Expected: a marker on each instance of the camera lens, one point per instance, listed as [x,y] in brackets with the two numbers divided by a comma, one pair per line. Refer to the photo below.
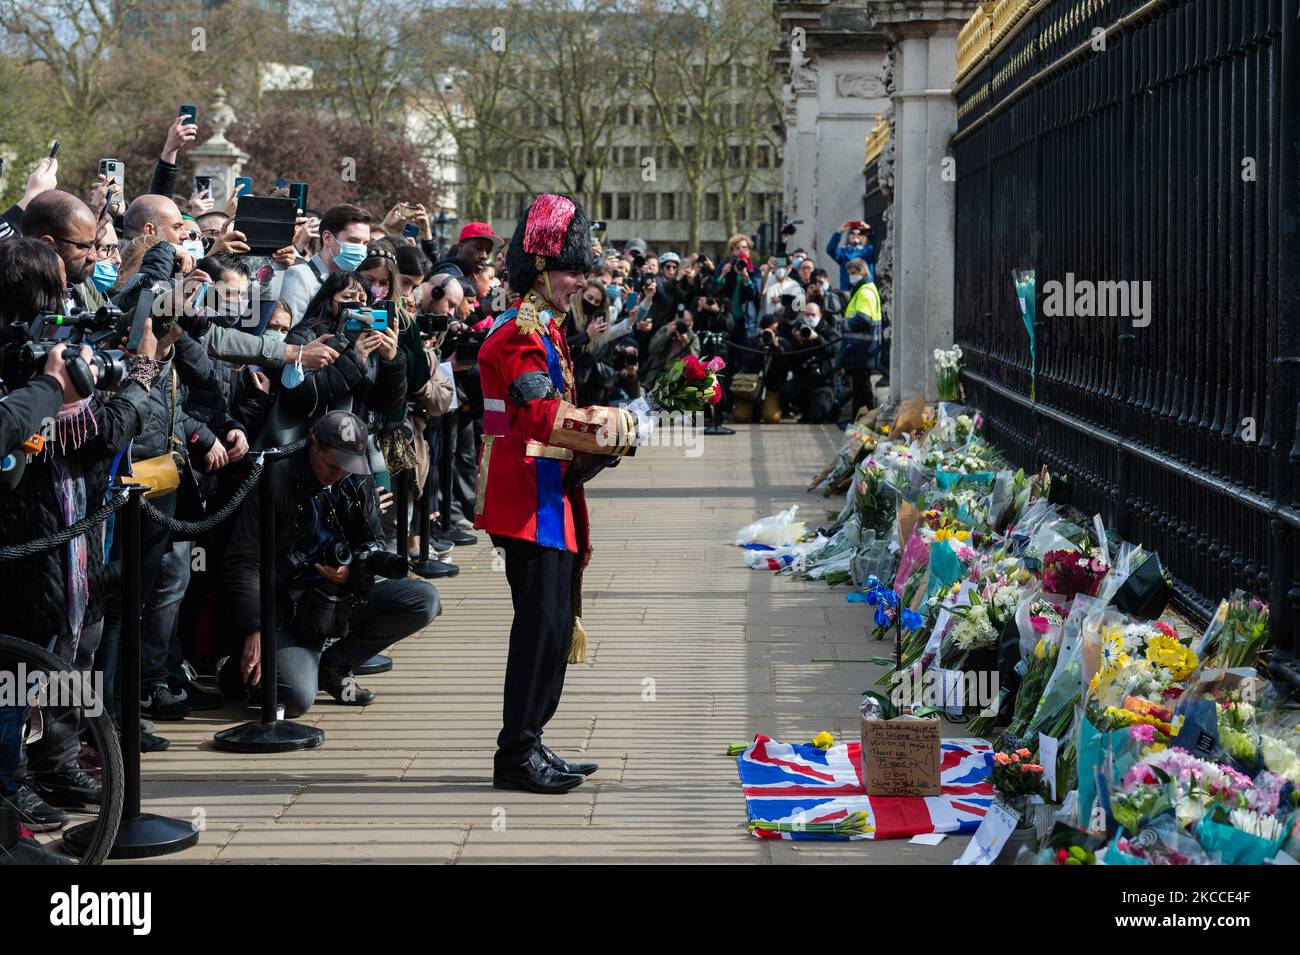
[342,554]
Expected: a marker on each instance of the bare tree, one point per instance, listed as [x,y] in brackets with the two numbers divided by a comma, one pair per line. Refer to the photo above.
[703,73]
[74,40]
[462,82]
[567,45]
[360,48]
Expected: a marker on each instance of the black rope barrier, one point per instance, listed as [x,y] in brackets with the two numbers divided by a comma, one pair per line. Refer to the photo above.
[183,530]
[189,530]
[31,548]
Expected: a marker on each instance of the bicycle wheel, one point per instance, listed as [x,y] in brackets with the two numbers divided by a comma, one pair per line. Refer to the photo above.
[42,698]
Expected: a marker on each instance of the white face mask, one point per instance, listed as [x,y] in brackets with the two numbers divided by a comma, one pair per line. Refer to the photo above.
[781,274]
[194,247]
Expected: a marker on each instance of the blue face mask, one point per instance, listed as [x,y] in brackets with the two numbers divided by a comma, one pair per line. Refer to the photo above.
[613,291]
[104,276]
[274,334]
[292,376]
[350,255]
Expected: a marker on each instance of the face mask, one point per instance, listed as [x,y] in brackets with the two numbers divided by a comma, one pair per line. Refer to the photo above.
[350,255]
[780,275]
[826,286]
[194,247]
[292,375]
[274,334]
[613,291]
[590,308]
[380,292]
[104,275]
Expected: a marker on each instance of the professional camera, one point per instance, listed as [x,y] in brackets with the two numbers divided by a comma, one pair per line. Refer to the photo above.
[680,327]
[29,344]
[373,561]
[430,324]
[803,329]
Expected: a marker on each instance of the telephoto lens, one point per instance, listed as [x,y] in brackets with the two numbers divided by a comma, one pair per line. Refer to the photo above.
[342,554]
[383,563]
[113,369]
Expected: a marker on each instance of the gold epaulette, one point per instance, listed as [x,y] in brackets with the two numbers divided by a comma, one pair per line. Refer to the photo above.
[528,321]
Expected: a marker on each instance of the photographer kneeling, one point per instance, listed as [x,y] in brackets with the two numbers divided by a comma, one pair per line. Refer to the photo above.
[330,565]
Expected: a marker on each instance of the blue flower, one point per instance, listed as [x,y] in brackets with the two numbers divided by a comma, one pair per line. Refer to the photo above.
[889,597]
[873,597]
[882,618]
[873,582]
[911,619]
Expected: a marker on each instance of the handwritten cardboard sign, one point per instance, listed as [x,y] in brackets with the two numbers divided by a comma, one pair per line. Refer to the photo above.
[900,757]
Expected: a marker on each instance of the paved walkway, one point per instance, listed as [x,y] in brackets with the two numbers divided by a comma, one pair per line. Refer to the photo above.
[689,650]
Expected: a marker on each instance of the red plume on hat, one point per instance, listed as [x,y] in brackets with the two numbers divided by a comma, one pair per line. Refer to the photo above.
[554,233]
[548,221]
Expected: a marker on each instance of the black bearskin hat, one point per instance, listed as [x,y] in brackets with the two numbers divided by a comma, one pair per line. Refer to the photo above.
[554,234]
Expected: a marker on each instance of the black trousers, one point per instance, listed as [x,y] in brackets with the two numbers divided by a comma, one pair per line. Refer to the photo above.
[863,394]
[541,581]
[391,611]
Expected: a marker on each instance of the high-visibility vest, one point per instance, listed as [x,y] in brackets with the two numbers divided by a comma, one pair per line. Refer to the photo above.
[865,300]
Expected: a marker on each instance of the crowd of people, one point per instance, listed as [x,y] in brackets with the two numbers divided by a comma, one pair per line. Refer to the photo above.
[359,338]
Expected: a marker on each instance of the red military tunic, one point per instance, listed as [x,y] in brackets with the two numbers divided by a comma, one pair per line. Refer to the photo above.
[532,429]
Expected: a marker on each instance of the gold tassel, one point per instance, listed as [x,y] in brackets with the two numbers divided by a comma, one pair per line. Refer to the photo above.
[578,646]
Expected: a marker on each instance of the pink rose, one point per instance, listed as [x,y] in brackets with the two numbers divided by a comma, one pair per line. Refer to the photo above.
[1039,624]
[715,365]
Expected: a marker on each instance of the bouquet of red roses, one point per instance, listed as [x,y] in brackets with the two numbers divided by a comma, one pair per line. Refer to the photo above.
[688,385]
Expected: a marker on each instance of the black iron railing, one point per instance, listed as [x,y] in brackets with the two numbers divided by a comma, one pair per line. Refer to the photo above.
[1149,142]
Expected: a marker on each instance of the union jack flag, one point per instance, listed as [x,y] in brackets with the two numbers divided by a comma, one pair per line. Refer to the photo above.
[794,785]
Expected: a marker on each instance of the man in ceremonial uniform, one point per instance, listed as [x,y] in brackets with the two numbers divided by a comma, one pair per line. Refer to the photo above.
[538,448]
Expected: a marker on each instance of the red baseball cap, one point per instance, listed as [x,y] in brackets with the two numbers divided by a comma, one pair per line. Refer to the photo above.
[480,230]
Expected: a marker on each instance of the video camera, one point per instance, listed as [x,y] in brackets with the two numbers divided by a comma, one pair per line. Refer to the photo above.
[29,344]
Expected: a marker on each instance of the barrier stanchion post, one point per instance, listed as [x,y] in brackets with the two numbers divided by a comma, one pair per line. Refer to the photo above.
[272,734]
[141,834]
[428,566]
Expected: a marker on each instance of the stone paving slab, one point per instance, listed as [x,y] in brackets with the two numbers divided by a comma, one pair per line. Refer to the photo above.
[690,650]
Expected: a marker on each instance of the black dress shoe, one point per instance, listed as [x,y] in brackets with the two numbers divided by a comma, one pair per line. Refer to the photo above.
[719,430]
[339,683]
[152,744]
[458,536]
[564,766]
[68,789]
[535,776]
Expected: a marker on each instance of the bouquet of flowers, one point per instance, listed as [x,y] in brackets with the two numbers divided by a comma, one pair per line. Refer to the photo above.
[946,364]
[859,440]
[1046,622]
[1016,776]
[688,385]
[954,431]
[874,502]
[1070,573]
[1139,678]
[1237,633]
